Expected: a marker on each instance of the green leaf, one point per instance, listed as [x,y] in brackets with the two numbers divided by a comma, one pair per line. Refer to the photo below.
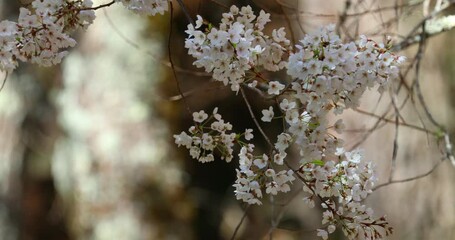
[318,162]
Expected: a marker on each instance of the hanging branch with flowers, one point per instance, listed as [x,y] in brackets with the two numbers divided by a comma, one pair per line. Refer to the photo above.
[324,76]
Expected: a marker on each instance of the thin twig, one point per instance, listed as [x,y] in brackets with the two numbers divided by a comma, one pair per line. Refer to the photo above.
[220,4]
[277,220]
[272,222]
[185,11]
[395,149]
[417,38]
[393,121]
[254,117]
[171,61]
[148,52]
[418,92]
[4,81]
[409,179]
[395,139]
[376,126]
[387,8]
[241,221]
[448,145]
[367,134]
[204,87]
[98,7]
[416,83]
[288,22]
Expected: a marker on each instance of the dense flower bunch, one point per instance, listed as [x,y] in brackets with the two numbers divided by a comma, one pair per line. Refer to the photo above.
[204,139]
[256,174]
[333,72]
[146,7]
[237,46]
[40,35]
[328,76]
[349,180]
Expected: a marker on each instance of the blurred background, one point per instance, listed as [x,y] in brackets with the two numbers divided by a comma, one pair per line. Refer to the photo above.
[86,147]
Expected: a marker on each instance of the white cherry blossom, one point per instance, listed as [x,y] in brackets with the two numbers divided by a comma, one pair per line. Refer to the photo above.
[267,114]
[237,46]
[146,7]
[200,116]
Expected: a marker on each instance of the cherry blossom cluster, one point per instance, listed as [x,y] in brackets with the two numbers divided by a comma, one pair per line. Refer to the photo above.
[309,133]
[256,174]
[349,180]
[40,35]
[146,7]
[331,72]
[237,47]
[211,133]
[328,76]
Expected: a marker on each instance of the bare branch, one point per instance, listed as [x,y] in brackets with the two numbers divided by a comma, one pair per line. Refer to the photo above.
[241,222]
[409,179]
[185,11]
[170,58]
[267,139]
[148,52]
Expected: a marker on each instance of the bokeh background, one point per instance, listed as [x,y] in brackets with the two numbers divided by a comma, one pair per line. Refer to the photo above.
[86,147]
